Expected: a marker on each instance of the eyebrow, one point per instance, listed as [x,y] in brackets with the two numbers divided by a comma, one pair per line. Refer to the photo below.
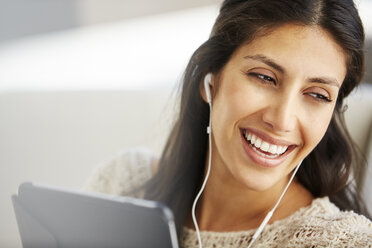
[267,61]
[325,80]
[262,58]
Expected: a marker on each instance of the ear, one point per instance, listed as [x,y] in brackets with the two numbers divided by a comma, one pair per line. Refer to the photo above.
[210,78]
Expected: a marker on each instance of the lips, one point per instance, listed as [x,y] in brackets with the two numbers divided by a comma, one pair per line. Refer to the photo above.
[263,149]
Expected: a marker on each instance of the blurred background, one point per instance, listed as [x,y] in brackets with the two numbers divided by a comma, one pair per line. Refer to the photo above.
[81,80]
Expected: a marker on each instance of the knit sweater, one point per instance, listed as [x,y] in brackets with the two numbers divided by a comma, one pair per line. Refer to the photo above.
[321,224]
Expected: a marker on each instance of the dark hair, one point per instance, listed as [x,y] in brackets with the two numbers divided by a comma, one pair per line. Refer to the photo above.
[325,172]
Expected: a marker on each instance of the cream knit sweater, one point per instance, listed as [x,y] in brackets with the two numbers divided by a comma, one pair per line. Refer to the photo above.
[321,224]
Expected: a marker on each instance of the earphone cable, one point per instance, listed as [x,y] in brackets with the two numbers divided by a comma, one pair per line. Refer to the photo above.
[270,214]
[209,131]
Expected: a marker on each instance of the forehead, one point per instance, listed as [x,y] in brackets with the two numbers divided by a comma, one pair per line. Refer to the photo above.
[307,50]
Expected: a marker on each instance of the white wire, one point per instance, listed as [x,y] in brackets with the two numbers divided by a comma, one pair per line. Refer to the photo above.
[270,214]
[209,131]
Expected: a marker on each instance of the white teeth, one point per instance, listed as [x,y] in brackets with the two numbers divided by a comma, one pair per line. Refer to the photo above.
[264,146]
[253,139]
[257,143]
[273,149]
[282,149]
[264,154]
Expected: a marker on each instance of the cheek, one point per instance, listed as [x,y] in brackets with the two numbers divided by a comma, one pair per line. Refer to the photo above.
[233,105]
[315,127]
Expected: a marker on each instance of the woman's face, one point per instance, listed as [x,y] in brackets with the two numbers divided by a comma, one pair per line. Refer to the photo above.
[274,102]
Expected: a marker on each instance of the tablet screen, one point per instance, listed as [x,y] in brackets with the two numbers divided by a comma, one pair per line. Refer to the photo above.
[53,217]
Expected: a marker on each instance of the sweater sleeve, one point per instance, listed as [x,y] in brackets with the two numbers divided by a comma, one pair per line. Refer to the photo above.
[126,172]
[351,230]
[330,227]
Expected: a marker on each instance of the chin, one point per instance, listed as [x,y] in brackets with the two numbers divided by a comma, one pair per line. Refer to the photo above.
[258,183]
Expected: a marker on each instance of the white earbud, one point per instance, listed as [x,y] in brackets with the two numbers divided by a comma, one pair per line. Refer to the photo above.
[207,82]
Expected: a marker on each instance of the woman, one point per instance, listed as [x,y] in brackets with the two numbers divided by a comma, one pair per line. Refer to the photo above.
[280,71]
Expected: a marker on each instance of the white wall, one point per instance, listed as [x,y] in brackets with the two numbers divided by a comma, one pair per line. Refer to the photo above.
[57,138]
[98,11]
[145,53]
[23,18]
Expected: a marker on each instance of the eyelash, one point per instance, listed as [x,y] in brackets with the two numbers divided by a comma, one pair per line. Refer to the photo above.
[263,78]
[320,97]
[269,80]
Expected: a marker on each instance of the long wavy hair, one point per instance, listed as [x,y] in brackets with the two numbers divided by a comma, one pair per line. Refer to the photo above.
[327,170]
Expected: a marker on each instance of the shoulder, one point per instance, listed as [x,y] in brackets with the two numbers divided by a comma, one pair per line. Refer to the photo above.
[323,224]
[125,172]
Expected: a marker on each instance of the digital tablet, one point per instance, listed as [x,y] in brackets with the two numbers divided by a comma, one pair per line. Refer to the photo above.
[57,218]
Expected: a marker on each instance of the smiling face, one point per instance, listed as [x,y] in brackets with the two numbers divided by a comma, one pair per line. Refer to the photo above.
[275,99]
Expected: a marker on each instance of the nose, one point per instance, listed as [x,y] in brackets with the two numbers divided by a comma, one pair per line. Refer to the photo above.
[280,114]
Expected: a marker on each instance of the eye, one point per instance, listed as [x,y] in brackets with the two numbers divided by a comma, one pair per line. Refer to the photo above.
[263,78]
[320,97]
[319,94]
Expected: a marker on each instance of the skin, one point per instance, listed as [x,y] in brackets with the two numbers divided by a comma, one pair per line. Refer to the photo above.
[287,103]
